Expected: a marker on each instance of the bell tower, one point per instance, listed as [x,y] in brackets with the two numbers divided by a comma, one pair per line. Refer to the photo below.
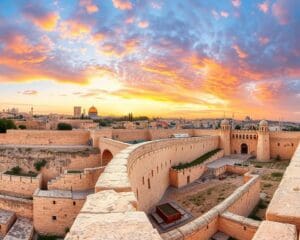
[263,142]
[225,137]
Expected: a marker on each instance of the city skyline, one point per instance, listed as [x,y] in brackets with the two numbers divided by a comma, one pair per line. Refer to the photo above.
[155,58]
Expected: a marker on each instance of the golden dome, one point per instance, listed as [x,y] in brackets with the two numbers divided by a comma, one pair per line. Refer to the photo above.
[263,123]
[93,110]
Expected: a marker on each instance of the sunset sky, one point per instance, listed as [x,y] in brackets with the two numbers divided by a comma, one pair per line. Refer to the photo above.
[175,58]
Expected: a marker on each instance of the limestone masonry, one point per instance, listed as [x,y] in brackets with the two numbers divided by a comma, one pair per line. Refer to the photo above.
[96,184]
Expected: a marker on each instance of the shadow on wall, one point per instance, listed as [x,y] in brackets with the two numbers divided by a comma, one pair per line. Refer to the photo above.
[106,157]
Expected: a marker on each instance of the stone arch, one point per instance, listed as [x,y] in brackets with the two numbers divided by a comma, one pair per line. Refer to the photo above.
[244,148]
[106,157]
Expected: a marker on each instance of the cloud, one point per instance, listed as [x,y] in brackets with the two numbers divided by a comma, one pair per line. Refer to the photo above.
[239,51]
[122,4]
[236,3]
[143,24]
[264,40]
[42,18]
[89,6]
[224,14]
[29,92]
[285,10]
[264,7]
[74,29]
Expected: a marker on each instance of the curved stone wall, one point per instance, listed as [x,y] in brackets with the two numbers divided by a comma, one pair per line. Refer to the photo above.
[147,166]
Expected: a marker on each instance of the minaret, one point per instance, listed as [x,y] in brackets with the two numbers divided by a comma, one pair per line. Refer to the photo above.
[263,142]
[225,137]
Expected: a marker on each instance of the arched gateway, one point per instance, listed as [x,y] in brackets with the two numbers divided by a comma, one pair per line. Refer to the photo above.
[106,157]
[244,148]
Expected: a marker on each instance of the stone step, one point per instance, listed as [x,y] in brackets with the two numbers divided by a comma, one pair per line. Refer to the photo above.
[7,219]
[21,230]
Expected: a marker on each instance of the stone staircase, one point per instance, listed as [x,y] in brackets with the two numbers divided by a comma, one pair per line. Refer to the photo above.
[13,228]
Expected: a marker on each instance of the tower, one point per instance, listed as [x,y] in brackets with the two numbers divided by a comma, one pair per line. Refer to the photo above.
[263,142]
[225,137]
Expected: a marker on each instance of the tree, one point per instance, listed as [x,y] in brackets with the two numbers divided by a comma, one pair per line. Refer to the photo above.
[6,124]
[237,127]
[64,126]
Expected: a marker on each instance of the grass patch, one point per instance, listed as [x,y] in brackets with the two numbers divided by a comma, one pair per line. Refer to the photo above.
[274,176]
[75,171]
[197,161]
[277,174]
[17,171]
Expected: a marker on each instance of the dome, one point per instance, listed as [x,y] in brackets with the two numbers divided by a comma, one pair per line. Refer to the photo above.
[225,122]
[263,123]
[93,111]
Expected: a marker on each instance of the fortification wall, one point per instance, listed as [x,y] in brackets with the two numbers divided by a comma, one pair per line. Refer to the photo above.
[130,135]
[96,135]
[19,185]
[182,177]
[237,226]
[208,224]
[285,205]
[22,207]
[148,166]
[167,133]
[76,181]
[112,145]
[206,132]
[238,137]
[55,211]
[37,137]
[57,159]
[283,144]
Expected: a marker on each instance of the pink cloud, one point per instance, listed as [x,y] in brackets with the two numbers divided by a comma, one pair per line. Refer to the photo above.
[46,22]
[224,14]
[122,4]
[236,3]
[240,52]
[264,40]
[264,7]
[90,7]
[143,24]
[281,13]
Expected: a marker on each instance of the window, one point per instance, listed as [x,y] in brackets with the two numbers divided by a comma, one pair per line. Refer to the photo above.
[292,144]
[137,194]
[74,203]
[54,218]
[278,144]
[152,173]
[54,202]
[149,184]
[143,181]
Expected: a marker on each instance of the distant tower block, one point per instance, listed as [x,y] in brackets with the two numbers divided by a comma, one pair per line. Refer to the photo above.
[263,142]
[225,136]
[77,112]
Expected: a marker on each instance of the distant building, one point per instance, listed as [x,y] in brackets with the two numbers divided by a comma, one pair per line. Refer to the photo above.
[77,111]
[93,113]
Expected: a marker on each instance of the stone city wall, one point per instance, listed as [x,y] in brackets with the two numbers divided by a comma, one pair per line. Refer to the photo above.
[207,224]
[57,159]
[37,137]
[182,177]
[149,165]
[21,206]
[126,135]
[230,168]
[285,205]
[85,180]
[111,145]
[55,211]
[237,226]
[283,144]
[238,137]
[19,185]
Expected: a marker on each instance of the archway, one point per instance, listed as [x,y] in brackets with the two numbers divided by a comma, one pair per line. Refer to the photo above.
[106,157]
[244,148]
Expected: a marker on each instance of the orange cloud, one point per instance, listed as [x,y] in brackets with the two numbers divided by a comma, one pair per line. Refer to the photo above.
[89,6]
[46,22]
[267,91]
[240,52]
[122,4]
[74,29]
[143,24]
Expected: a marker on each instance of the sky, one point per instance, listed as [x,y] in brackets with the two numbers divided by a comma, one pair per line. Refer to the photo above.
[167,58]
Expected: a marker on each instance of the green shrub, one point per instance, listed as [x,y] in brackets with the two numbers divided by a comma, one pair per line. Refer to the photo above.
[38,165]
[16,170]
[64,126]
[22,127]
[278,158]
[6,124]
[277,174]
